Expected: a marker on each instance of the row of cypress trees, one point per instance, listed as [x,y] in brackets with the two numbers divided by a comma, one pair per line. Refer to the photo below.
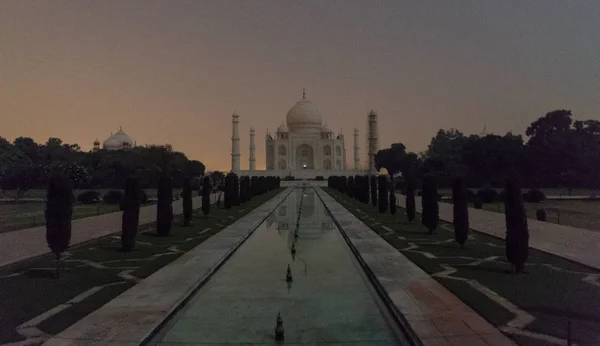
[517,234]
[59,206]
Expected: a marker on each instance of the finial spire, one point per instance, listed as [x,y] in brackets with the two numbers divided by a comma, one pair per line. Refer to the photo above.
[303,93]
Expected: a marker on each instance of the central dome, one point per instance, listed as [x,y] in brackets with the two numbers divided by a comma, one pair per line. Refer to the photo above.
[304,116]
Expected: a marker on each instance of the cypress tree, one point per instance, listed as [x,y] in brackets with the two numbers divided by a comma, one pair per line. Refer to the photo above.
[392,200]
[374,190]
[187,201]
[410,200]
[357,187]
[517,233]
[206,190]
[243,189]
[262,185]
[236,191]
[59,209]
[278,182]
[164,206]
[350,190]
[131,213]
[254,186]
[461,211]
[365,196]
[383,193]
[229,186]
[429,203]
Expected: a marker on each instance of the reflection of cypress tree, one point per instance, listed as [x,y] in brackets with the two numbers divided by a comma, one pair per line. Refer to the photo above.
[374,190]
[429,203]
[410,200]
[187,201]
[383,193]
[131,213]
[517,232]
[59,209]
[164,206]
[461,211]
[206,190]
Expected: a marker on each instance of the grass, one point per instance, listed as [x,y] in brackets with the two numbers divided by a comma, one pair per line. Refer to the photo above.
[29,288]
[15,216]
[575,213]
[552,290]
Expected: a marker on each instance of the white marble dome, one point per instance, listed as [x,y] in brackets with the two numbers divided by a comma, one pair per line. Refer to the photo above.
[304,116]
[118,141]
[282,128]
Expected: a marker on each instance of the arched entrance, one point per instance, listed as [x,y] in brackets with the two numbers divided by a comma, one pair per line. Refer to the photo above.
[305,158]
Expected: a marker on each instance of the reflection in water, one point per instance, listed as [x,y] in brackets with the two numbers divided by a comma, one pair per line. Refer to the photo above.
[333,304]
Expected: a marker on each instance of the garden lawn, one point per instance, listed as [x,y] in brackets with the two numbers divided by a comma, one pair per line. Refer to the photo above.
[28,289]
[552,290]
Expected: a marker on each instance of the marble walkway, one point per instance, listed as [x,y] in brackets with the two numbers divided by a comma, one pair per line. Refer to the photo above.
[576,244]
[21,244]
[436,316]
[132,317]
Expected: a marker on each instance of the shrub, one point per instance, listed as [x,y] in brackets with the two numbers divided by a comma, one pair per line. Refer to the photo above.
[517,233]
[164,206]
[206,186]
[383,193]
[487,195]
[131,213]
[319,178]
[410,200]
[113,197]
[471,195]
[187,201]
[429,203]
[143,197]
[59,210]
[540,214]
[534,196]
[477,203]
[461,211]
[89,197]
[374,190]
[289,178]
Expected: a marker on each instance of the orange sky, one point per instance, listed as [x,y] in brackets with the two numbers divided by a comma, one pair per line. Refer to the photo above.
[174,71]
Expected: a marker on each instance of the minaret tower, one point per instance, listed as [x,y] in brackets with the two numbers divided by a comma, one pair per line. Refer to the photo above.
[235,143]
[356,155]
[252,151]
[372,141]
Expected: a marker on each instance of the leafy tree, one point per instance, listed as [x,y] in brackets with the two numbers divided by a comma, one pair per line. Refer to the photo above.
[195,168]
[131,213]
[59,209]
[461,211]
[164,206]
[429,203]
[410,200]
[517,232]
[21,178]
[206,190]
[383,193]
[374,190]
[187,201]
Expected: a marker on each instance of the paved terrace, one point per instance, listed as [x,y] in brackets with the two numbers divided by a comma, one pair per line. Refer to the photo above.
[437,316]
[576,244]
[21,244]
[131,318]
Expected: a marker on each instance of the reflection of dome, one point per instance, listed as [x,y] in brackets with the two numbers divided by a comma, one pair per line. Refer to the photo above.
[118,141]
[304,117]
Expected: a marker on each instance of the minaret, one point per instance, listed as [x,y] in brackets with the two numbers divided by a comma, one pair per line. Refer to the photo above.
[252,150]
[372,141]
[356,156]
[235,143]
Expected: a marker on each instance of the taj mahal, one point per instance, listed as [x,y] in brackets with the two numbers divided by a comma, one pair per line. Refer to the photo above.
[304,147]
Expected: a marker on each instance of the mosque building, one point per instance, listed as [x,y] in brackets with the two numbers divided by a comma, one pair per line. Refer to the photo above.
[304,147]
[118,141]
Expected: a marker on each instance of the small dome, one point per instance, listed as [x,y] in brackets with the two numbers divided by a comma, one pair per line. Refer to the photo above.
[326,129]
[304,115]
[96,142]
[282,128]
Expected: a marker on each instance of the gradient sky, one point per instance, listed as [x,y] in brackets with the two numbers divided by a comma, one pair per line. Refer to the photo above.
[174,71]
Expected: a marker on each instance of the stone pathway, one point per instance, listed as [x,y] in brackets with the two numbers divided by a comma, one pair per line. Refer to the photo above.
[436,316]
[22,244]
[130,318]
[576,244]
